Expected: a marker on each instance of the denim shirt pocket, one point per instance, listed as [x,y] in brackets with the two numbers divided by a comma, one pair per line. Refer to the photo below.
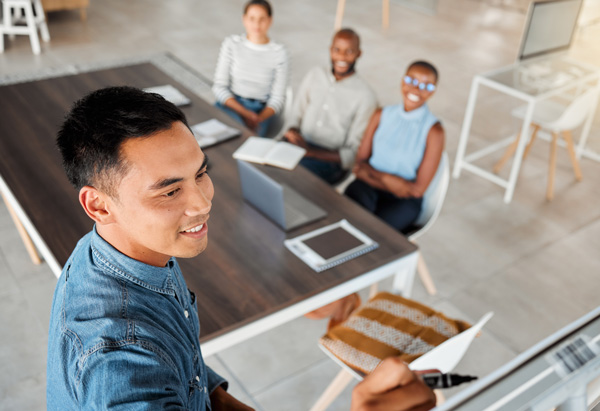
[192,298]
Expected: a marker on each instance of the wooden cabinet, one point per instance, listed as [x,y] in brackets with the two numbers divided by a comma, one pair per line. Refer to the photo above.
[54,5]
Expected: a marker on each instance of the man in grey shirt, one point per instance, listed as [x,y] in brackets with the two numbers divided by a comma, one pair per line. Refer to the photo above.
[331,111]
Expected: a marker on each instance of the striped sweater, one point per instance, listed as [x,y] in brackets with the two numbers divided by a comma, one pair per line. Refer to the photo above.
[255,71]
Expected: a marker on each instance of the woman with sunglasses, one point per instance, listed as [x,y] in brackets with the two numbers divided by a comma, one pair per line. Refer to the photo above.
[252,71]
[400,152]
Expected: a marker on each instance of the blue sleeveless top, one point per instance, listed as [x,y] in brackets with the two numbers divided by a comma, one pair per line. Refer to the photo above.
[400,139]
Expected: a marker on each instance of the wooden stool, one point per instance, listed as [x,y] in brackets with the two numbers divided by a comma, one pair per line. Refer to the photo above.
[16,11]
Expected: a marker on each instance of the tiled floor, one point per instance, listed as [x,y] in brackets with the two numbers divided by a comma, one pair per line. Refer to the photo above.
[532,262]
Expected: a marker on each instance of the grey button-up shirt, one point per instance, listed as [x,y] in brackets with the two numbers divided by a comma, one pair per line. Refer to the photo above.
[333,114]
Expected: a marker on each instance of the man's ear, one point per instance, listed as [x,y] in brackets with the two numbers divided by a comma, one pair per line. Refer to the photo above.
[96,205]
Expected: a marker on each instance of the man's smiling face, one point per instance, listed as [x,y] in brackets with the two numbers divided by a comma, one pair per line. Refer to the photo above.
[164,199]
[344,52]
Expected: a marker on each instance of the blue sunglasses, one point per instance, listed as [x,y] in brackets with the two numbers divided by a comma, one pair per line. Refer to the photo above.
[422,86]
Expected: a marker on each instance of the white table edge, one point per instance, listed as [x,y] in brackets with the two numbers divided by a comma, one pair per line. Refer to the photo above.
[404,266]
[30,228]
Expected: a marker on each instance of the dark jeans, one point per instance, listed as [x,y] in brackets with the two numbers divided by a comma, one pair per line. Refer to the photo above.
[252,105]
[400,213]
[331,172]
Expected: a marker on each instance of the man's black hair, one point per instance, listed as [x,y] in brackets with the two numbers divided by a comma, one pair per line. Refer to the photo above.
[262,3]
[426,65]
[96,127]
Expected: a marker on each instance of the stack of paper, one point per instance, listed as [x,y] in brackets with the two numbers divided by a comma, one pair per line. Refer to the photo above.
[169,93]
[212,132]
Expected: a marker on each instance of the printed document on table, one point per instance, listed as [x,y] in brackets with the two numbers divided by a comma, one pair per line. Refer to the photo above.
[170,93]
[212,131]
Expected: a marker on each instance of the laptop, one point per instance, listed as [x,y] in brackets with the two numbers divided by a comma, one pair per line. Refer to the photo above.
[549,29]
[276,201]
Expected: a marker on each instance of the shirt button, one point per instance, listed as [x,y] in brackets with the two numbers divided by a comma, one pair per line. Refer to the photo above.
[197,378]
[186,313]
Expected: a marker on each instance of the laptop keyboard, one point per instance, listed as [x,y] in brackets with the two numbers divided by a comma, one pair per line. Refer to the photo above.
[293,215]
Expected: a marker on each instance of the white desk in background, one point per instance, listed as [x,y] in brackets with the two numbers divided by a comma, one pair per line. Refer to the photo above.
[532,82]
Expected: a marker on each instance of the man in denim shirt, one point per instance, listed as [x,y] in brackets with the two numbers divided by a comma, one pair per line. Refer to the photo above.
[124,330]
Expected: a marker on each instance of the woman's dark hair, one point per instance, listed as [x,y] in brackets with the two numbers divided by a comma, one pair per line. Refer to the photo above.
[93,132]
[262,3]
[426,65]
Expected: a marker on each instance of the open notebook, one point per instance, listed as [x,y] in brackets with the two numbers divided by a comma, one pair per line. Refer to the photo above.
[267,151]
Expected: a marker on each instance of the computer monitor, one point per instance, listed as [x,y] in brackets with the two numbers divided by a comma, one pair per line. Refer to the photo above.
[549,28]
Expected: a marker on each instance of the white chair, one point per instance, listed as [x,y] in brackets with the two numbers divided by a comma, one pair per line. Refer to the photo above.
[444,357]
[558,119]
[17,11]
[433,199]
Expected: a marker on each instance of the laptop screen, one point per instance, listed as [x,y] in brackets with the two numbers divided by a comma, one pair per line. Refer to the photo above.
[262,192]
[550,27]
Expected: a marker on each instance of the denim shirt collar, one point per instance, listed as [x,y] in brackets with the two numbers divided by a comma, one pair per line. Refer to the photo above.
[157,279]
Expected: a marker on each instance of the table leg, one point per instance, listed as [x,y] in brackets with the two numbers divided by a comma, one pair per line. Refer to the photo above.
[31,250]
[516,166]
[405,278]
[339,14]
[385,18]
[466,128]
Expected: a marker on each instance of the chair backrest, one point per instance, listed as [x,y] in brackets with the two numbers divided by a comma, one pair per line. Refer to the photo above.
[434,197]
[576,113]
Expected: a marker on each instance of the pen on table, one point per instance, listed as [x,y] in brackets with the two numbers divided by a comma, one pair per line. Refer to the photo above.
[440,380]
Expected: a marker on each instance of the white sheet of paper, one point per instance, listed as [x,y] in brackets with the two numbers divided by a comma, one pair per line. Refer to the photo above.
[448,354]
[169,93]
[212,127]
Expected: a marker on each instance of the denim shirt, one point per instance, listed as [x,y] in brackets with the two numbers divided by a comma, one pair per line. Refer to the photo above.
[124,335]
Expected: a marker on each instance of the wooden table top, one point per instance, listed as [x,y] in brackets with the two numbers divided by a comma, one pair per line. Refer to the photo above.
[246,272]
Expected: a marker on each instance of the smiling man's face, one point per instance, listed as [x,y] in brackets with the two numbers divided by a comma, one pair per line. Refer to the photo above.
[164,199]
[344,52]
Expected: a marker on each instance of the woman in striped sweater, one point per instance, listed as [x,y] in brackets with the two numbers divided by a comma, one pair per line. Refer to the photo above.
[252,71]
